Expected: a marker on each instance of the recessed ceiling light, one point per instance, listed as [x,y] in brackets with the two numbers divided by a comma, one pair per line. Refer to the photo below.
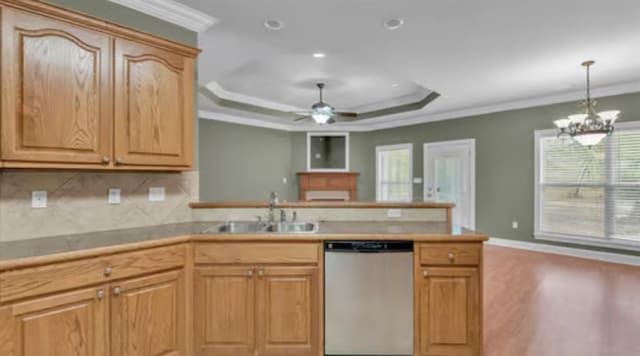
[274,25]
[394,23]
[319,55]
[395,85]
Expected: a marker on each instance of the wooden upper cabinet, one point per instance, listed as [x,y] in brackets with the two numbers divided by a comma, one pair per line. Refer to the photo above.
[288,311]
[153,106]
[449,311]
[148,316]
[71,323]
[56,91]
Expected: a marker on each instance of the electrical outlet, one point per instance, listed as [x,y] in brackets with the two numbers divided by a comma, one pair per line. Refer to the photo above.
[157,194]
[394,213]
[114,196]
[514,225]
[39,199]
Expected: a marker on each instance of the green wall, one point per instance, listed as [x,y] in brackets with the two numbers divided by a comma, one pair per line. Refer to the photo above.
[124,16]
[239,162]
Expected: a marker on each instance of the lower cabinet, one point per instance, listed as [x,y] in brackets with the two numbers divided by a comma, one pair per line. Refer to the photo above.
[449,317]
[145,317]
[263,310]
[148,316]
[73,324]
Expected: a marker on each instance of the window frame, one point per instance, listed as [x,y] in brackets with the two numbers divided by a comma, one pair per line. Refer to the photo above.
[607,242]
[395,147]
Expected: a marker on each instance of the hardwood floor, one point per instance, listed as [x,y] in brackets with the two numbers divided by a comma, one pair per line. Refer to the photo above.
[539,304]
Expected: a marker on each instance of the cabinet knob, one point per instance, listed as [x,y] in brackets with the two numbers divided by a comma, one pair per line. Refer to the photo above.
[119,160]
[117,291]
[107,271]
[260,273]
[106,159]
[250,273]
[425,274]
[100,294]
[451,256]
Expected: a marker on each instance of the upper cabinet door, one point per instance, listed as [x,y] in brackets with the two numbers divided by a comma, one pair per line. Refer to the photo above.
[56,91]
[153,107]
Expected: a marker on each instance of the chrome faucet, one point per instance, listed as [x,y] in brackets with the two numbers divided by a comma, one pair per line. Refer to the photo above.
[273,204]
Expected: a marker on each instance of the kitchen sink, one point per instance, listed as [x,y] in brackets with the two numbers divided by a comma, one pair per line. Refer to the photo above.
[250,227]
[293,227]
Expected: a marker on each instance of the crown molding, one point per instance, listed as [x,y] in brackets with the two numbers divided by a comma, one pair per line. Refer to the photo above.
[414,118]
[222,93]
[173,12]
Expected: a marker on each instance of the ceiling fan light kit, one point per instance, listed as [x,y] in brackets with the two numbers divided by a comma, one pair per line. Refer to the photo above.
[323,113]
[591,127]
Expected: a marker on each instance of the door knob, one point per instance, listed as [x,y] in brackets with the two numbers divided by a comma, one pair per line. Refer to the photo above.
[106,159]
[107,271]
[100,294]
[425,274]
[119,160]
[250,273]
[117,291]
[260,273]
[451,256]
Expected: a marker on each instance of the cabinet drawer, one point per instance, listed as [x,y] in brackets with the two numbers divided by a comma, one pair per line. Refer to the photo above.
[450,254]
[34,281]
[257,252]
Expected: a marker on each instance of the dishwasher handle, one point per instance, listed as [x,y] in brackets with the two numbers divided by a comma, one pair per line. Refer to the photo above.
[372,246]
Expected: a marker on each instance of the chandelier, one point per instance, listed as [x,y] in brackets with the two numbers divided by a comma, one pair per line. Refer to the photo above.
[588,128]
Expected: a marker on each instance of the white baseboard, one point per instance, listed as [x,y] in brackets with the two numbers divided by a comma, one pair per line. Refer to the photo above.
[567,251]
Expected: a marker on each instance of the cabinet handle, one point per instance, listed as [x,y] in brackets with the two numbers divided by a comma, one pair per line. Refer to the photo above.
[250,273]
[425,274]
[260,273]
[119,160]
[107,271]
[106,159]
[100,294]
[117,291]
[451,256]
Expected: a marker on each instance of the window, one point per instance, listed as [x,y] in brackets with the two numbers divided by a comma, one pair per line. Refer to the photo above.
[589,195]
[394,173]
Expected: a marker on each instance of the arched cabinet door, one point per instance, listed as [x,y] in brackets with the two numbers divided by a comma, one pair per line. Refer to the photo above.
[153,107]
[56,91]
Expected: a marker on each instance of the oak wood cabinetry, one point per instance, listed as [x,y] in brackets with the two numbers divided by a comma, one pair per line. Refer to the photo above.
[448,299]
[85,94]
[270,305]
[144,314]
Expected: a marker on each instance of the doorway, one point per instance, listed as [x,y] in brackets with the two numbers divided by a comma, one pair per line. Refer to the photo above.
[449,176]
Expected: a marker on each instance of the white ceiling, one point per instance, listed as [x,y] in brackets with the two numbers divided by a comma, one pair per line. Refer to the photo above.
[482,55]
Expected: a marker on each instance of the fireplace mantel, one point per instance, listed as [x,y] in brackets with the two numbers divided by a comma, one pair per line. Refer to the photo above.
[327,186]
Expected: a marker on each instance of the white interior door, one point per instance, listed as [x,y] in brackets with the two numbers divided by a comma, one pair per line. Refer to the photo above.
[449,176]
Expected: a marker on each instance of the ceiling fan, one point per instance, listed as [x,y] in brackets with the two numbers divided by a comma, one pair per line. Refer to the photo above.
[323,113]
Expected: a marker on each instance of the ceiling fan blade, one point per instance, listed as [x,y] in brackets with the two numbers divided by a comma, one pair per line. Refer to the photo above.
[346,113]
[331,121]
[302,118]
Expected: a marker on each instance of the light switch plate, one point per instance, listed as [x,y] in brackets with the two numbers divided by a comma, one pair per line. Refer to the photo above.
[156,194]
[514,224]
[114,196]
[39,199]
[394,213]
[284,180]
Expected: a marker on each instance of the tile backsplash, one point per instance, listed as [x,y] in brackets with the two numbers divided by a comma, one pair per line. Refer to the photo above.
[78,201]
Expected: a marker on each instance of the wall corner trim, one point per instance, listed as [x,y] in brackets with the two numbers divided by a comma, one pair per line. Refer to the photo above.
[567,251]
[173,12]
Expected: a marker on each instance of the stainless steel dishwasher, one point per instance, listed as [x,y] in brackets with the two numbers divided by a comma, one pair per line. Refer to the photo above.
[368,298]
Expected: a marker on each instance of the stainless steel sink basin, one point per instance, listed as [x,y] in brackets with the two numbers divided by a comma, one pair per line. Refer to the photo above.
[293,227]
[250,227]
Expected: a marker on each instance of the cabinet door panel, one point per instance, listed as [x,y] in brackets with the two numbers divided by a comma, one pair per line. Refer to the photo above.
[224,311]
[154,106]
[70,324]
[148,316]
[56,104]
[287,311]
[449,318]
